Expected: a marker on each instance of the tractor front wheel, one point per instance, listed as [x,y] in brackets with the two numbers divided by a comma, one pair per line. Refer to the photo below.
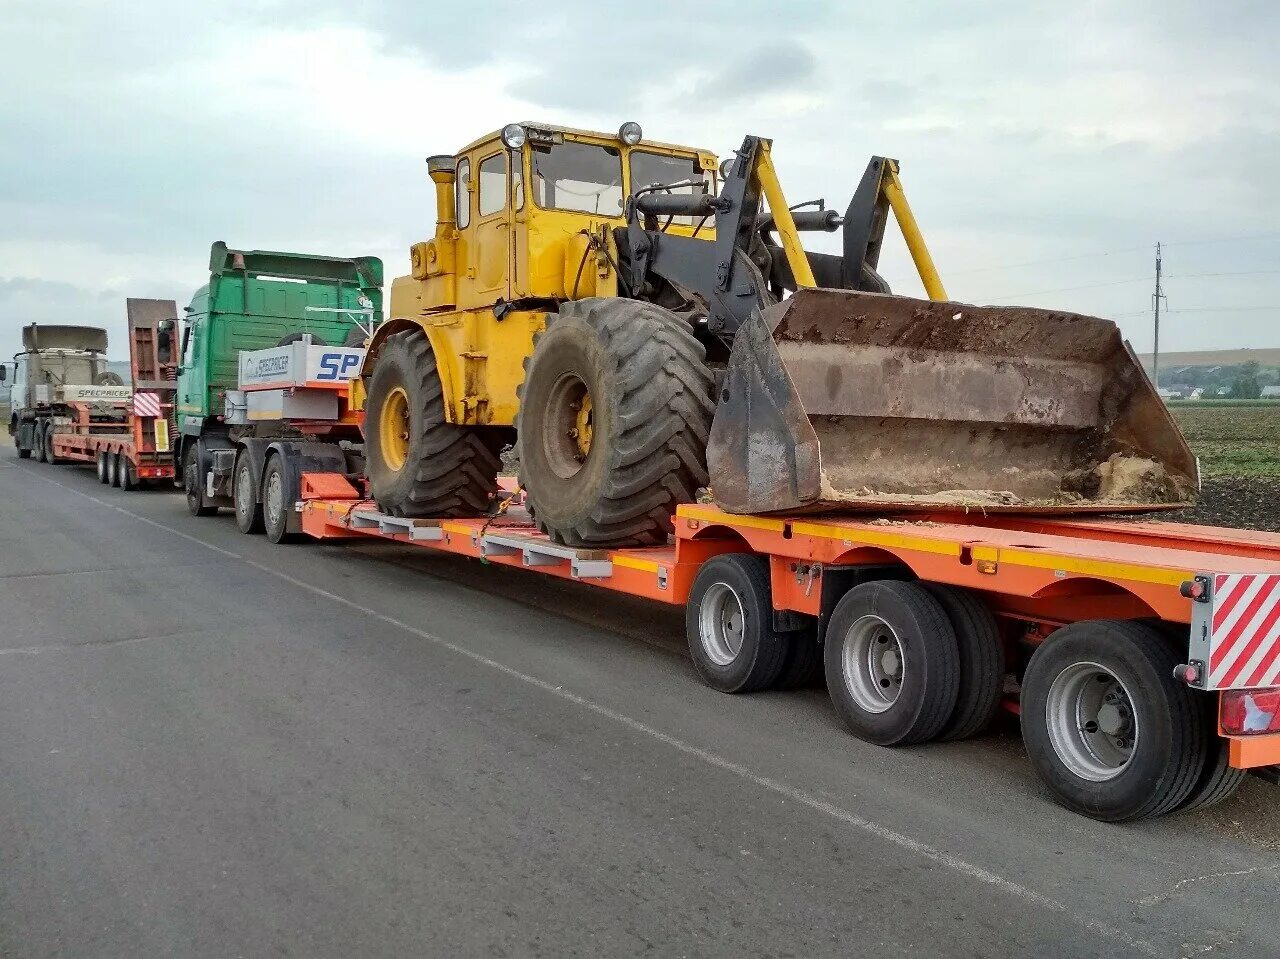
[418,463]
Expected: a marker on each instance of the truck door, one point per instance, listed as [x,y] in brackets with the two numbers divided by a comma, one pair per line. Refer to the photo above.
[488,272]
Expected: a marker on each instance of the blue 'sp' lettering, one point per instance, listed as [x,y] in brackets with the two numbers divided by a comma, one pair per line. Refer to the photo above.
[350,361]
[329,366]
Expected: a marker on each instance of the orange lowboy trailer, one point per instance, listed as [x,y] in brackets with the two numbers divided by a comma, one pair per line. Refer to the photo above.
[1143,657]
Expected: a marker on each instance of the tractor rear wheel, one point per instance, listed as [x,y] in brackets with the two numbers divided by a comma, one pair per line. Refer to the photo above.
[614,415]
[418,463]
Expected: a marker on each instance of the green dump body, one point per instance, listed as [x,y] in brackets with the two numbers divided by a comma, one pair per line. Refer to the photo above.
[252,300]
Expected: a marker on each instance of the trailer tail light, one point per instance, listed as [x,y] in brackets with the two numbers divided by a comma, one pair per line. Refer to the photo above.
[1250,712]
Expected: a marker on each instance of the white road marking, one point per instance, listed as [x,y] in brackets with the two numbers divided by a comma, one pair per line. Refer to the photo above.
[902,841]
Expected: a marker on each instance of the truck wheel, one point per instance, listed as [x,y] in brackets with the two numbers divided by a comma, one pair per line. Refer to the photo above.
[276,502]
[1109,730]
[418,463]
[892,663]
[615,410]
[42,439]
[193,482]
[729,625]
[248,509]
[113,469]
[981,661]
[100,464]
[23,452]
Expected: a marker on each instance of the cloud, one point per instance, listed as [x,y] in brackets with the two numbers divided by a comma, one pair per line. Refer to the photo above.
[1026,132]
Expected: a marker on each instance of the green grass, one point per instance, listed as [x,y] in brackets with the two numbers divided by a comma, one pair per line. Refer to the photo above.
[1232,438]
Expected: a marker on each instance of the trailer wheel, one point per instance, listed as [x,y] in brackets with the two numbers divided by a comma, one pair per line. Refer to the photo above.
[981,661]
[42,440]
[248,508]
[23,451]
[196,505]
[126,479]
[892,663]
[1107,727]
[103,474]
[113,469]
[802,666]
[729,625]
[1218,779]
[276,502]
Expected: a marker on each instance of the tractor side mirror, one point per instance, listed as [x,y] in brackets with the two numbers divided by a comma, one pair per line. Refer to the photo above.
[4,372]
[186,341]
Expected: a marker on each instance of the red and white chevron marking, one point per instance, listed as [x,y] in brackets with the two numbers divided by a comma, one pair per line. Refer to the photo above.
[146,404]
[1245,636]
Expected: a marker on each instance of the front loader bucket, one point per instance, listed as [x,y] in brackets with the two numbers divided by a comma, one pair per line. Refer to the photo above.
[842,401]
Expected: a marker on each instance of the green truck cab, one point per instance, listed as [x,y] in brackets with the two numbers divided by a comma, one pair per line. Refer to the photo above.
[256,299]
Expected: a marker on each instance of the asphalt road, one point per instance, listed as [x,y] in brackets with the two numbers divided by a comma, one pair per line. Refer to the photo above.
[214,746]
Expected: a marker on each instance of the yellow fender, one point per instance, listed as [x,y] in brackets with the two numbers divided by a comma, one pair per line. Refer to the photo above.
[446,364]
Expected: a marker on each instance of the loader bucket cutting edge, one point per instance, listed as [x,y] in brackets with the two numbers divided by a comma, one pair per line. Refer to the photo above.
[842,401]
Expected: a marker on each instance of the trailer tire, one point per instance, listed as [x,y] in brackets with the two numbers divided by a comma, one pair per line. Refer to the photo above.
[126,479]
[113,469]
[436,468]
[23,451]
[981,661]
[245,497]
[191,482]
[1117,675]
[892,663]
[615,411]
[1219,780]
[729,625]
[42,443]
[101,464]
[275,503]
[802,667]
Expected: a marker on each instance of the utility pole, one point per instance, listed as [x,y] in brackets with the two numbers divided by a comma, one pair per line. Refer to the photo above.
[1156,298]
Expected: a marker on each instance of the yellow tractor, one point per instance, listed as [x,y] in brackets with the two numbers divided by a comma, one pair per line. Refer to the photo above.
[641,323]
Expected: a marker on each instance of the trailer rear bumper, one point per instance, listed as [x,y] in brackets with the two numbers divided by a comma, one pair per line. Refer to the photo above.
[1254,752]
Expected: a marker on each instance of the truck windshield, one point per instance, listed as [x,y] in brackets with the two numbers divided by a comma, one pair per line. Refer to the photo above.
[581,177]
[655,169]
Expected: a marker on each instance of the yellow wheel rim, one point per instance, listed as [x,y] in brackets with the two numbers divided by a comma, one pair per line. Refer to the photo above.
[393,428]
[583,424]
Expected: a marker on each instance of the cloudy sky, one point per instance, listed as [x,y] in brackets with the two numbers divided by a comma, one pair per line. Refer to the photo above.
[1045,147]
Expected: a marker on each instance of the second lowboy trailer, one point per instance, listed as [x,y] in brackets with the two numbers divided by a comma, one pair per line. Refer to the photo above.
[128,438]
[1143,659]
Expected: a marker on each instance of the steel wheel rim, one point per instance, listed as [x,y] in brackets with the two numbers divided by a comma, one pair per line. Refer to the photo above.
[244,490]
[393,428]
[721,624]
[275,498]
[873,664]
[567,439]
[1092,724]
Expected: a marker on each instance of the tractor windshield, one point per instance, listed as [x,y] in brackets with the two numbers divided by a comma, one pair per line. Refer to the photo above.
[661,170]
[581,177]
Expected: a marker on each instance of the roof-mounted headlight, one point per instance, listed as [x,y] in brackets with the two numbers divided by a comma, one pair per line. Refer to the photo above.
[630,133]
[725,166]
[513,136]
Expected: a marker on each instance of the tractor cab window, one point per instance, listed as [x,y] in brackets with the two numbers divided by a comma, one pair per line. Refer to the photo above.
[493,183]
[580,177]
[463,197]
[656,170]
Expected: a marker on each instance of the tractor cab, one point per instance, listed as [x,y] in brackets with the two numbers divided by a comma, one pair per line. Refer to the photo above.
[522,214]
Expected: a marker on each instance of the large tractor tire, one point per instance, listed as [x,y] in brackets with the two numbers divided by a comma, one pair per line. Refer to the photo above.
[614,415]
[418,463]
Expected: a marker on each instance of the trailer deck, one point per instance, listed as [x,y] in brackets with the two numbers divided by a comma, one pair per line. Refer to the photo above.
[1040,574]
